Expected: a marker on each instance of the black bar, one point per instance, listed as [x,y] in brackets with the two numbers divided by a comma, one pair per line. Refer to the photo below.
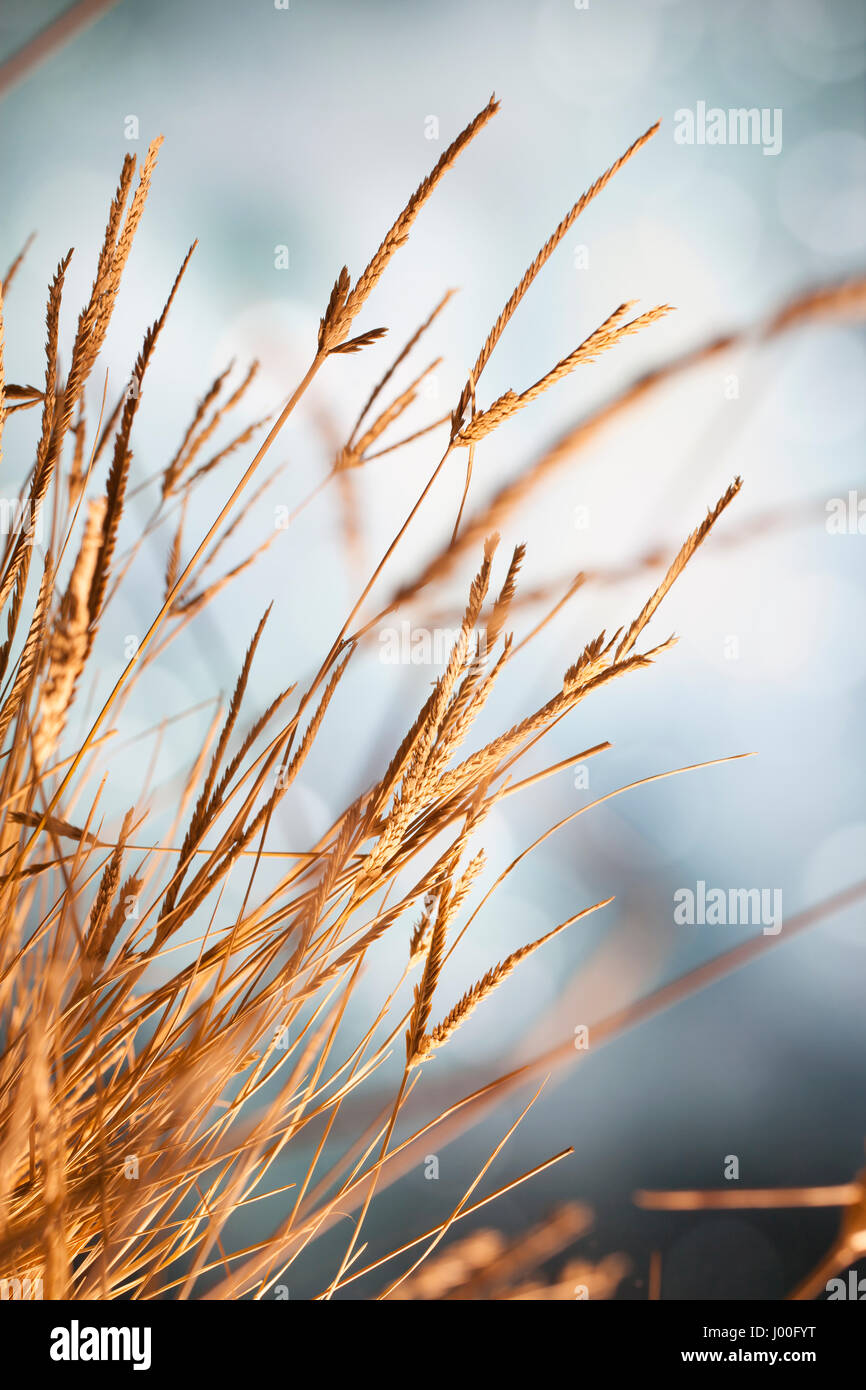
[224,1340]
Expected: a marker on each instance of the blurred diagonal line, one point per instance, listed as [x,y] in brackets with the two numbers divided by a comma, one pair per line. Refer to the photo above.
[59,32]
[452,1123]
[604,1030]
[693,981]
[843,1195]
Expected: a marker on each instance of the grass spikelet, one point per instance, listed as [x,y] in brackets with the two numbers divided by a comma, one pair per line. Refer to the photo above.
[172,564]
[398,361]
[175,466]
[679,563]
[533,269]
[193,442]
[606,336]
[115,490]
[15,265]
[424,991]
[188,992]
[345,302]
[28,662]
[108,885]
[17,570]
[425,1045]
[69,642]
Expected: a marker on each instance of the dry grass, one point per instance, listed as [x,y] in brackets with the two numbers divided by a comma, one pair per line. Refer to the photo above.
[158,1061]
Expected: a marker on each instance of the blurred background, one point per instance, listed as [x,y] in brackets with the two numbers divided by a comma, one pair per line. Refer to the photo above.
[293,137]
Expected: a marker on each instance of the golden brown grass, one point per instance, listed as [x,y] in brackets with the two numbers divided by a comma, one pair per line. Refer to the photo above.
[160,1057]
